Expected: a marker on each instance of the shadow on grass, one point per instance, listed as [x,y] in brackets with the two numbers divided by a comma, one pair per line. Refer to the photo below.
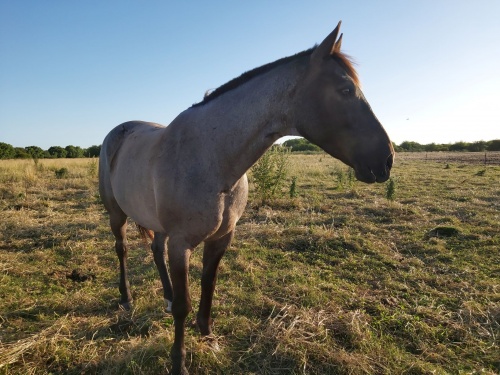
[35,237]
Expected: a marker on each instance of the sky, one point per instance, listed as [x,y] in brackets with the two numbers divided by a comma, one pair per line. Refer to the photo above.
[72,70]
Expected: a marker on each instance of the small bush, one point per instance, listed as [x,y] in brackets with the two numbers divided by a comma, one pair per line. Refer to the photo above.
[61,173]
[39,167]
[390,189]
[345,179]
[293,187]
[443,231]
[269,173]
[92,168]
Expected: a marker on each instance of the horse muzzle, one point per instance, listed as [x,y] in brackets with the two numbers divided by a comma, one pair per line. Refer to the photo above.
[375,173]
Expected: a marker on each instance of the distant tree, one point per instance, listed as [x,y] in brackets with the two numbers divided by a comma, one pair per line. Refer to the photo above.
[35,152]
[57,152]
[7,151]
[74,152]
[21,153]
[300,144]
[411,146]
[477,146]
[396,147]
[92,151]
[494,145]
[430,147]
[459,146]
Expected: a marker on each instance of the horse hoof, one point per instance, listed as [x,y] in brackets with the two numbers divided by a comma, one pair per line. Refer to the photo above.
[127,306]
[212,342]
[168,306]
[180,371]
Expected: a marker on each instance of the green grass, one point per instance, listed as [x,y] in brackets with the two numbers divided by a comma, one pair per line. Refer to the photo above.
[336,280]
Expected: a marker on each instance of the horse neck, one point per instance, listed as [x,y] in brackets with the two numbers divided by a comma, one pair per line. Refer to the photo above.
[250,118]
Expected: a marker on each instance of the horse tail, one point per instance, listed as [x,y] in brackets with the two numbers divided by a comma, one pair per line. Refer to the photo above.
[145,233]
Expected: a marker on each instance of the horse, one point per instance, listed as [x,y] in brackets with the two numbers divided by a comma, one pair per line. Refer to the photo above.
[187,182]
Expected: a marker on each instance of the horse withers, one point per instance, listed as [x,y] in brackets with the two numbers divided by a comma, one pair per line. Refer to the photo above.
[187,182]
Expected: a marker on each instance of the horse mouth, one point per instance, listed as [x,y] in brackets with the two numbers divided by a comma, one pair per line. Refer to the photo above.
[371,175]
[366,176]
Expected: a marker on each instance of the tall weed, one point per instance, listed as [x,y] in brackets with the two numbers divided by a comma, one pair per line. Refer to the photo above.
[345,179]
[390,189]
[92,168]
[270,173]
[293,187]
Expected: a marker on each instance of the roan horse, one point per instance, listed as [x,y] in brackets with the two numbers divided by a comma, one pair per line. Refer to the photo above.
[186,182]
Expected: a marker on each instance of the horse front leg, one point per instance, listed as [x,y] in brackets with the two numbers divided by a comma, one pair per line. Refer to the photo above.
[158,248]
[179,253]
[212,254]
[118,223]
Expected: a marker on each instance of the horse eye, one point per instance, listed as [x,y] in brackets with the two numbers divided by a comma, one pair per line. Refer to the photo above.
[346,91]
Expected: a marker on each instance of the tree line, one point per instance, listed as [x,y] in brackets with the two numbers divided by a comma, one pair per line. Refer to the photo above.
[302,144]
[479,146]
[8,151]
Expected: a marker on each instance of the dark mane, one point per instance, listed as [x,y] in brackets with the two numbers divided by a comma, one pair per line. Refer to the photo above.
[343,60]
[247,76]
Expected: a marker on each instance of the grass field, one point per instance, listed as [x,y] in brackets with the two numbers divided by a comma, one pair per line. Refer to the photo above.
[338,280]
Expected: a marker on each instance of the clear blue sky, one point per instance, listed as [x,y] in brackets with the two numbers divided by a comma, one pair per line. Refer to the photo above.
[72,70]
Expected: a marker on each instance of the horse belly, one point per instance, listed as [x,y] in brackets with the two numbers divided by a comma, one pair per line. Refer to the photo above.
[136,198]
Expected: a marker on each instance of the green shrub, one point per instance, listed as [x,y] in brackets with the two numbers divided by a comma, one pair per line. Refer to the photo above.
[61,173]
[345,179]
[293,187]
[92,168]
[390,189]
[270,172]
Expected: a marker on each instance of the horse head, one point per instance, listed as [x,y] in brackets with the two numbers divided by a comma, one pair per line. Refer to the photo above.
[334,114]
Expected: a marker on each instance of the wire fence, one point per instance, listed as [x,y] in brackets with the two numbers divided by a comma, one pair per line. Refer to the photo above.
[484,158]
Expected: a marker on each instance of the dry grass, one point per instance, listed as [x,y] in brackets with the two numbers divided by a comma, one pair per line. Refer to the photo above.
[338,280]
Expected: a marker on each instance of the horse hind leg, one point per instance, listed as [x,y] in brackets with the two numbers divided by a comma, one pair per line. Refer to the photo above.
[118,222]
[158,249]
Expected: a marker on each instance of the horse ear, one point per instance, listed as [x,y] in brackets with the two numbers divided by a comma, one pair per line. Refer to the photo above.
[337,45]
[327,46]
